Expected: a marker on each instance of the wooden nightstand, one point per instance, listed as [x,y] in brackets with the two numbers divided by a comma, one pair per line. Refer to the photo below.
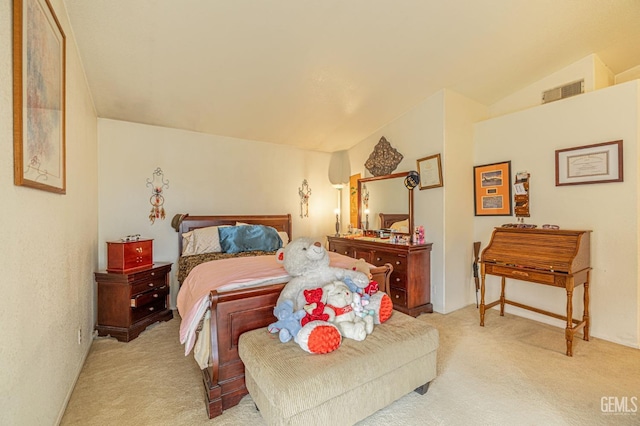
[129,302]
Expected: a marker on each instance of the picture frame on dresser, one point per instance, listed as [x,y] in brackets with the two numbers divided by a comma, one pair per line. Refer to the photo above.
[492,189]
[39,66]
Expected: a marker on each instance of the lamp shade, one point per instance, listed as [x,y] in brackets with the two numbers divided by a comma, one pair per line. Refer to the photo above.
[339,168]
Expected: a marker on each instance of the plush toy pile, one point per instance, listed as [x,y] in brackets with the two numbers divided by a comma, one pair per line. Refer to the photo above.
[321,304]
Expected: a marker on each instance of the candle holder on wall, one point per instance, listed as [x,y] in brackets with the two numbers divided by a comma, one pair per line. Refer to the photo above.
[305,192]
[157,184]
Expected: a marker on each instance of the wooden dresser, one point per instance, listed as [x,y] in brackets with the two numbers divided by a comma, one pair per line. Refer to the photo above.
[129,302]
[410,281]
[558,258]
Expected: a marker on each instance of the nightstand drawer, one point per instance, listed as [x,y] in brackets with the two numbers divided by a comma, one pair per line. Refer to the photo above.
[139,313]
[143,299]
[142,286]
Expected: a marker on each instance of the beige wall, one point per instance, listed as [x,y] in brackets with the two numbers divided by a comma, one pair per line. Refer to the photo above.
[207,175]
[529,139]
[47,255]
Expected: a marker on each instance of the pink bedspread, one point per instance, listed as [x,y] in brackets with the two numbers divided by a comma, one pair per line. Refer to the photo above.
[226,275]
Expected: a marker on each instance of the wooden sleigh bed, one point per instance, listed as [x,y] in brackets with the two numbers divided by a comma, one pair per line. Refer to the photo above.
[237,311]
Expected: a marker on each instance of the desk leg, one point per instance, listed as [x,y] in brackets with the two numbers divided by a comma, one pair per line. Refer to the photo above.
[585,315]
[568,332]
[502,299]
[482,275]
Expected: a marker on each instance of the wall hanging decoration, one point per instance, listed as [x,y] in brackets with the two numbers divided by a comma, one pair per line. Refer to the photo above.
[305,192]
[353,200]
[384,159]
[38,97]
[521,195]
[492,189]
[598,163]
[430,169]
[157,184]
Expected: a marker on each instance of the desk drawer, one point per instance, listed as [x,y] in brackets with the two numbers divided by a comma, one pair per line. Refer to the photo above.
[398,279]
[520,274]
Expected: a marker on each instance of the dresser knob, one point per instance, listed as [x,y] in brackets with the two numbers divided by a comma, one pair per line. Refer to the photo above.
[153,273]
[139,249]
[155,295]
[397,262]
[150,284]
[397,296]
[398,280]
[151,309]
[378,259]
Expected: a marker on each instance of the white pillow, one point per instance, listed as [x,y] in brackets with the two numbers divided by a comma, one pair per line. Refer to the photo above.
[201,240]
[402,226]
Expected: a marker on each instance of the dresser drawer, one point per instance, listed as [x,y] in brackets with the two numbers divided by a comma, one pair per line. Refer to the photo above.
[143,299]
[139,313]
[129,255]
[398,296]
[145,285]
[398,279]
[341,249]
[399,261]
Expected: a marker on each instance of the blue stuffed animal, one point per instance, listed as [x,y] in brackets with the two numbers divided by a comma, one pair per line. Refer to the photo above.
[288,324]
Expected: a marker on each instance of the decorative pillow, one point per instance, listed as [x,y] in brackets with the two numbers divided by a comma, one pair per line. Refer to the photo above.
[238,239]
[201,240]
[283,235]
[402,226]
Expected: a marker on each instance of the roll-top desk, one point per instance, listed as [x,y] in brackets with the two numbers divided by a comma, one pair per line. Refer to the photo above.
[559,258]
[410,280]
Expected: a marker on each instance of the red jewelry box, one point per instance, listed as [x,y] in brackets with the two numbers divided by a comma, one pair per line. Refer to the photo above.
[126,256]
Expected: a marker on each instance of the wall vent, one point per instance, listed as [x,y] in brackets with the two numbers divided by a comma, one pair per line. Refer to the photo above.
[562,92]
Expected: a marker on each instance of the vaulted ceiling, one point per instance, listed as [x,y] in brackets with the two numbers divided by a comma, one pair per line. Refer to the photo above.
[325,74]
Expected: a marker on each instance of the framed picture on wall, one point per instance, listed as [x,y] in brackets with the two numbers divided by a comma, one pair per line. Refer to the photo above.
[492,189]
[38,97]
[598,163]
[430,169]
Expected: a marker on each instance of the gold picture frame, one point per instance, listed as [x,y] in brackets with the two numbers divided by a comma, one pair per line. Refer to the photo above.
[492,189]
[39,61]
[430,170]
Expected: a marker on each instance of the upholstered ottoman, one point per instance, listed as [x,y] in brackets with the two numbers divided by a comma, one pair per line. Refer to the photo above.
[292,387]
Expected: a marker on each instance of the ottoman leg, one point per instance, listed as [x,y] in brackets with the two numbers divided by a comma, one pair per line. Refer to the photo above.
[422,389]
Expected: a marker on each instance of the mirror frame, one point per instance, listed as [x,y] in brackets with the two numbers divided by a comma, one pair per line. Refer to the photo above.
[375,178]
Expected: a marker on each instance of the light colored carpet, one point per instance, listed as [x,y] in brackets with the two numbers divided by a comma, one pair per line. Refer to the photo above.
[513,371]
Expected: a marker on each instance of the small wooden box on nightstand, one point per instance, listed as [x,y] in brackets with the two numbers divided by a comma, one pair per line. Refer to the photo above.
[128,302]
[125,256]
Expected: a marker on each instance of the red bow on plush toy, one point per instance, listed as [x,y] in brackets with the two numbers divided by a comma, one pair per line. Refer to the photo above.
[314,307]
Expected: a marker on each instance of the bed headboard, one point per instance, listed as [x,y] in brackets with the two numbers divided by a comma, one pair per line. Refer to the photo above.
[189,223]
[388,219]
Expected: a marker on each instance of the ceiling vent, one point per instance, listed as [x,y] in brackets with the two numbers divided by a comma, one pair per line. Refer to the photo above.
[562,92]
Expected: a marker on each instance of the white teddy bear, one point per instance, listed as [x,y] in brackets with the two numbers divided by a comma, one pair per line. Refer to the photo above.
[340,301]
[307,262]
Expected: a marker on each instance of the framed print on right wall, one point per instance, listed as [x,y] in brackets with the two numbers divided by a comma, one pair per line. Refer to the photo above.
[597,163]
[492,189]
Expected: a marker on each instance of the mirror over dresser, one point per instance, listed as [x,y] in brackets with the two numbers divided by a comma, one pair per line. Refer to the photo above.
[384,201]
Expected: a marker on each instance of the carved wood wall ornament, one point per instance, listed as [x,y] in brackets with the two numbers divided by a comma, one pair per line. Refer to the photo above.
[384,159]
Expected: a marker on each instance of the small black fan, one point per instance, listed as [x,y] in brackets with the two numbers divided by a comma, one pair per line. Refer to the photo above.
[412,180]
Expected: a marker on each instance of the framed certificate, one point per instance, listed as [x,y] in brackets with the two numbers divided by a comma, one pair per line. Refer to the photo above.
[598,163]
